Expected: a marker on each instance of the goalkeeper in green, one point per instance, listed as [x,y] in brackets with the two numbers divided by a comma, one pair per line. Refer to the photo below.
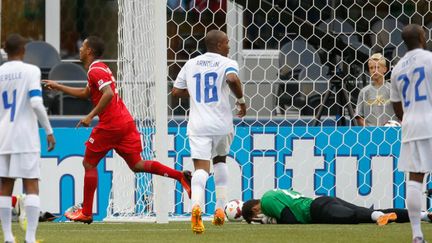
[280,206]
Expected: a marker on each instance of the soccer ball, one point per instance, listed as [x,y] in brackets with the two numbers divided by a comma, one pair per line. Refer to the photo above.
[74,208]
[233,210]
[392,123]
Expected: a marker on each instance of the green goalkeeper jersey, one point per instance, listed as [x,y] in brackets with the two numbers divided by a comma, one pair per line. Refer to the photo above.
[274,201]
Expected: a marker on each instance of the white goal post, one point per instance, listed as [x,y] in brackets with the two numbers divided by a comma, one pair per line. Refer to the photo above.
[141,78]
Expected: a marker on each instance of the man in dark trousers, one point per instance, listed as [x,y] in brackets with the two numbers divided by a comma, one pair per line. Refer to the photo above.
[279,206]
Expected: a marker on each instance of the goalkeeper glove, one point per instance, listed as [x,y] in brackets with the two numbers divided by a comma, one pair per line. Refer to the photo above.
[263,219]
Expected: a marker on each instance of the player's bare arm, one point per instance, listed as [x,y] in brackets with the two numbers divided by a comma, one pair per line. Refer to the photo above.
[107,95]
[180,93]
[397,107]
[236,87]
[82,93]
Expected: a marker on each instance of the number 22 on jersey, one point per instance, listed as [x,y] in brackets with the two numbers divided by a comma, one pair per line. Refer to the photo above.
[9,105]
[210,87]
[406,83]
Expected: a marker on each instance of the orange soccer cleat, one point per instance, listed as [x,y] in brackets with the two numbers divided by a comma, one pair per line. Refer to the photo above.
[197,223]
[219,217]
[186,182]
[386,218]
[78,216]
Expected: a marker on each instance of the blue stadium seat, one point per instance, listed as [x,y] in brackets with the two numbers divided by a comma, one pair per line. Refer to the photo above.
[68,71]
[41,54]
[70,105]
[75,106]
[44,56]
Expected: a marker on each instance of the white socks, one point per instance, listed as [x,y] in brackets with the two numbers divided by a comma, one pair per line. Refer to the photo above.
[413,203]
[199,181]
[221,182]
[32,208]
[6,217]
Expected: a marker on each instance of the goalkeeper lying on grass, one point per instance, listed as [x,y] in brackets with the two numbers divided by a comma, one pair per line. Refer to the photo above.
[290,207]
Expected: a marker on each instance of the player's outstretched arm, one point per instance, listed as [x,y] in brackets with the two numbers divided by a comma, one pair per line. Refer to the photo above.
[82,93]
[236,87]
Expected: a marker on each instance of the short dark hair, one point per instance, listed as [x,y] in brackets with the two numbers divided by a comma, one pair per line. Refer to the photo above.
[212,39]
[97,45]
[14,44]
[247,212]
[412,34]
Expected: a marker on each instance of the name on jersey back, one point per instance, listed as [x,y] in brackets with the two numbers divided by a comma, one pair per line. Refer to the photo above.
[10,76]
[408,62]
[207,63]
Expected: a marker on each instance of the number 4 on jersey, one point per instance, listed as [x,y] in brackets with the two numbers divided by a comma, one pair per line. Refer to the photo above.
[7,105]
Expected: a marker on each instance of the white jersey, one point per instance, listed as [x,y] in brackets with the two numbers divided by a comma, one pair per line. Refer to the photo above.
[411,84]
[19,132]
[205,79]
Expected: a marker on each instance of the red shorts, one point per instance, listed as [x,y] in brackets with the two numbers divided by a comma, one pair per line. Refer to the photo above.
[126,141]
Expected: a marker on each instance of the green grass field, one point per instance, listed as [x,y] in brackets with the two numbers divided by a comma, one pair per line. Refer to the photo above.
[230,232]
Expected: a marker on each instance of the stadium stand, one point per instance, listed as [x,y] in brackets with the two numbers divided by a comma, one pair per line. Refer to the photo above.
[43,55]
[298,61]
[68,71]
[388,38]
[64,72]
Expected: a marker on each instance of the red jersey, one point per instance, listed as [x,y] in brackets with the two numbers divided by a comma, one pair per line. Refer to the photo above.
[115,113]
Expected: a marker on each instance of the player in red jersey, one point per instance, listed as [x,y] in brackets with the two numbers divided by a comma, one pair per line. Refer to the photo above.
[116,128]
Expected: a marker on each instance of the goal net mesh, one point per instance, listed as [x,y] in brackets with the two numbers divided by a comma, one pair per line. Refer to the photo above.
[132,195]
[302,65]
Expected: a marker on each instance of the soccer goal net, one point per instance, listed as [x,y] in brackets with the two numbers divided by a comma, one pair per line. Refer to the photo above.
[302,65]
[142,85]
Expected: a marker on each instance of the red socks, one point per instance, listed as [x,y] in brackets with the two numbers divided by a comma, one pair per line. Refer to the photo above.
[154,167]
[149,166]
[14,201]
[90,185]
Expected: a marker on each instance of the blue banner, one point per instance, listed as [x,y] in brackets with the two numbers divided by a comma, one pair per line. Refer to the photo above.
[331,148]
